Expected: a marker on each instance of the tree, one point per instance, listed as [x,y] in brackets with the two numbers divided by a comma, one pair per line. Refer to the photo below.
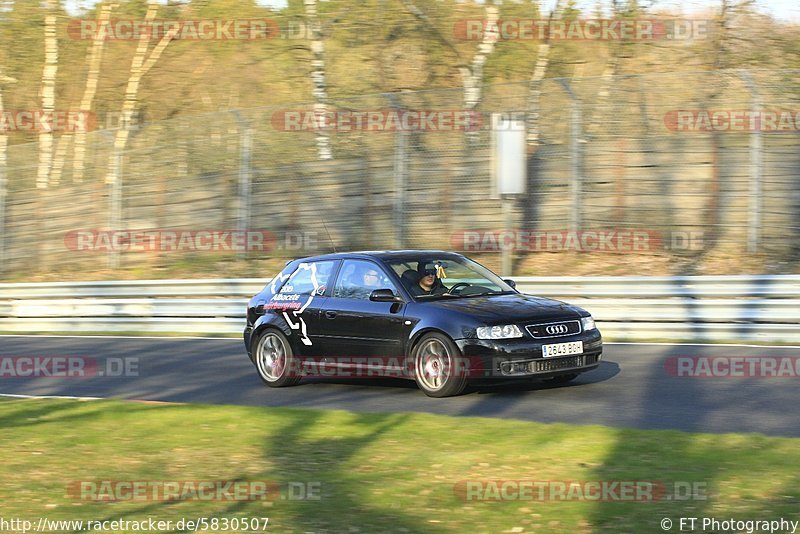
[472,72]
[535,84]
[472,77]
[320,90]
[48,93]
[141,64]
[3,179]
[89,92]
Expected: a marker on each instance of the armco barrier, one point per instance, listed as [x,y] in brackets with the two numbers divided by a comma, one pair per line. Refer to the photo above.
[708,308]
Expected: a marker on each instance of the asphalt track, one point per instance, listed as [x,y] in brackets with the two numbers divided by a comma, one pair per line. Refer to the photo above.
[631,388]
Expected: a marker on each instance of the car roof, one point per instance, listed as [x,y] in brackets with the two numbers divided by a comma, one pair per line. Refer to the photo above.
[382,255]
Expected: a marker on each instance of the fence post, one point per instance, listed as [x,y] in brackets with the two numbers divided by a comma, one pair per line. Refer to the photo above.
[756,170]
[115,205]
[3,195]
[576,157]
[400,180]
[506,263]
[245,177]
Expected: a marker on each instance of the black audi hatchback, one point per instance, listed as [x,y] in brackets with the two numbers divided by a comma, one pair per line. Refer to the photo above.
[436,317]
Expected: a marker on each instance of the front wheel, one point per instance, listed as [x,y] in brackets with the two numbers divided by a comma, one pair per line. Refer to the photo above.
[274,360]
[437,366]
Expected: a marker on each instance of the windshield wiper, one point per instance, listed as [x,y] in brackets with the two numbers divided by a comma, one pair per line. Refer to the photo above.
[486,293]
[436,295]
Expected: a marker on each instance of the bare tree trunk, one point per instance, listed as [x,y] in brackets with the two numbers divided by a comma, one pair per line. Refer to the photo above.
[472,76]
[610,71]
[713,214]
[531,214]
[472,73]
[320,91]
[3,179]
[141,64]
[535,85]
[59,156]
[48,94]
[3,148]
[3,136]
[92,79]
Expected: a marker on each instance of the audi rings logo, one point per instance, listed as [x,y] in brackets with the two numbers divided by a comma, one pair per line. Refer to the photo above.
[556,329]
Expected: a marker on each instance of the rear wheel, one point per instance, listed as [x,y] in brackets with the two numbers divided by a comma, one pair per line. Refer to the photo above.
[274,360]
[437,366]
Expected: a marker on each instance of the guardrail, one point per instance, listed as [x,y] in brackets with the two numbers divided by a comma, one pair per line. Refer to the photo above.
[708,308]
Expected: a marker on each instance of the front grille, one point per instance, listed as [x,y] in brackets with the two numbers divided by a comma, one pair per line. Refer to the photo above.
[545,365]
[557,329]
[568,362]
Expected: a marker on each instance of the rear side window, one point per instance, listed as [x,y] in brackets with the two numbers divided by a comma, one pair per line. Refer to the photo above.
[310,278]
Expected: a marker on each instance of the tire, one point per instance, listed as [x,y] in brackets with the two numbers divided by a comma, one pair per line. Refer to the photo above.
[274,359]
[562,379]
[438,368]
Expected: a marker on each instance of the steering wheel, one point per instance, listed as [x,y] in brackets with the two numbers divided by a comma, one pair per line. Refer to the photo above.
[459,284]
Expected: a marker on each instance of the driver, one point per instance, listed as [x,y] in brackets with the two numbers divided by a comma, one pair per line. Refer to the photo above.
[368,281]
[371,278]
[428,283]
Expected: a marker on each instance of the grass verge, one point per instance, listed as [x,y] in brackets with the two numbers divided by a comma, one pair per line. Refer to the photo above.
[376,473]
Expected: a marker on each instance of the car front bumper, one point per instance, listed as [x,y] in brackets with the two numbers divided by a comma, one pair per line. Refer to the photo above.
[512,358]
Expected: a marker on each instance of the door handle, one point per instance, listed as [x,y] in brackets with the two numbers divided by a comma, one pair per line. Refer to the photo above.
[330,314]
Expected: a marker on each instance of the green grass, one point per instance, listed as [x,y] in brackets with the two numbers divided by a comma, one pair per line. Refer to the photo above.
[377,472]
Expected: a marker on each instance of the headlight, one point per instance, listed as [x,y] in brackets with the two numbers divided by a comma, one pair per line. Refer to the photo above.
[587,323]
[499,332]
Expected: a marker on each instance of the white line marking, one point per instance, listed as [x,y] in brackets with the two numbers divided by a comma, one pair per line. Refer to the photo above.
[67,397]
[176,338]
[704,345]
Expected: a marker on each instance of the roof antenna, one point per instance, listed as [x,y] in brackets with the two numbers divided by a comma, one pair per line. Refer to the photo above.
[329,235]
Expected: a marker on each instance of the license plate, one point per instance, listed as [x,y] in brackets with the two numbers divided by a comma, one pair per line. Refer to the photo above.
[562,349]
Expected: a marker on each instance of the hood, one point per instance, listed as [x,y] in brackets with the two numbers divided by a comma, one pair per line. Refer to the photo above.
[515,308]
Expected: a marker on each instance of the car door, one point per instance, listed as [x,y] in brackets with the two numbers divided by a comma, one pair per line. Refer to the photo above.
[299,301]
[355,327]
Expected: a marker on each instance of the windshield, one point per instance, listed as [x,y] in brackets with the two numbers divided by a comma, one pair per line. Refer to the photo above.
[429,276]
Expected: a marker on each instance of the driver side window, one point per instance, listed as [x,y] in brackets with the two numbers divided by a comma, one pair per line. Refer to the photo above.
[359,278]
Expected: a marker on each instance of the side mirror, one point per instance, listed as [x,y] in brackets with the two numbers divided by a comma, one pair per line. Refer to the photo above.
[384,295]
[510,282]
